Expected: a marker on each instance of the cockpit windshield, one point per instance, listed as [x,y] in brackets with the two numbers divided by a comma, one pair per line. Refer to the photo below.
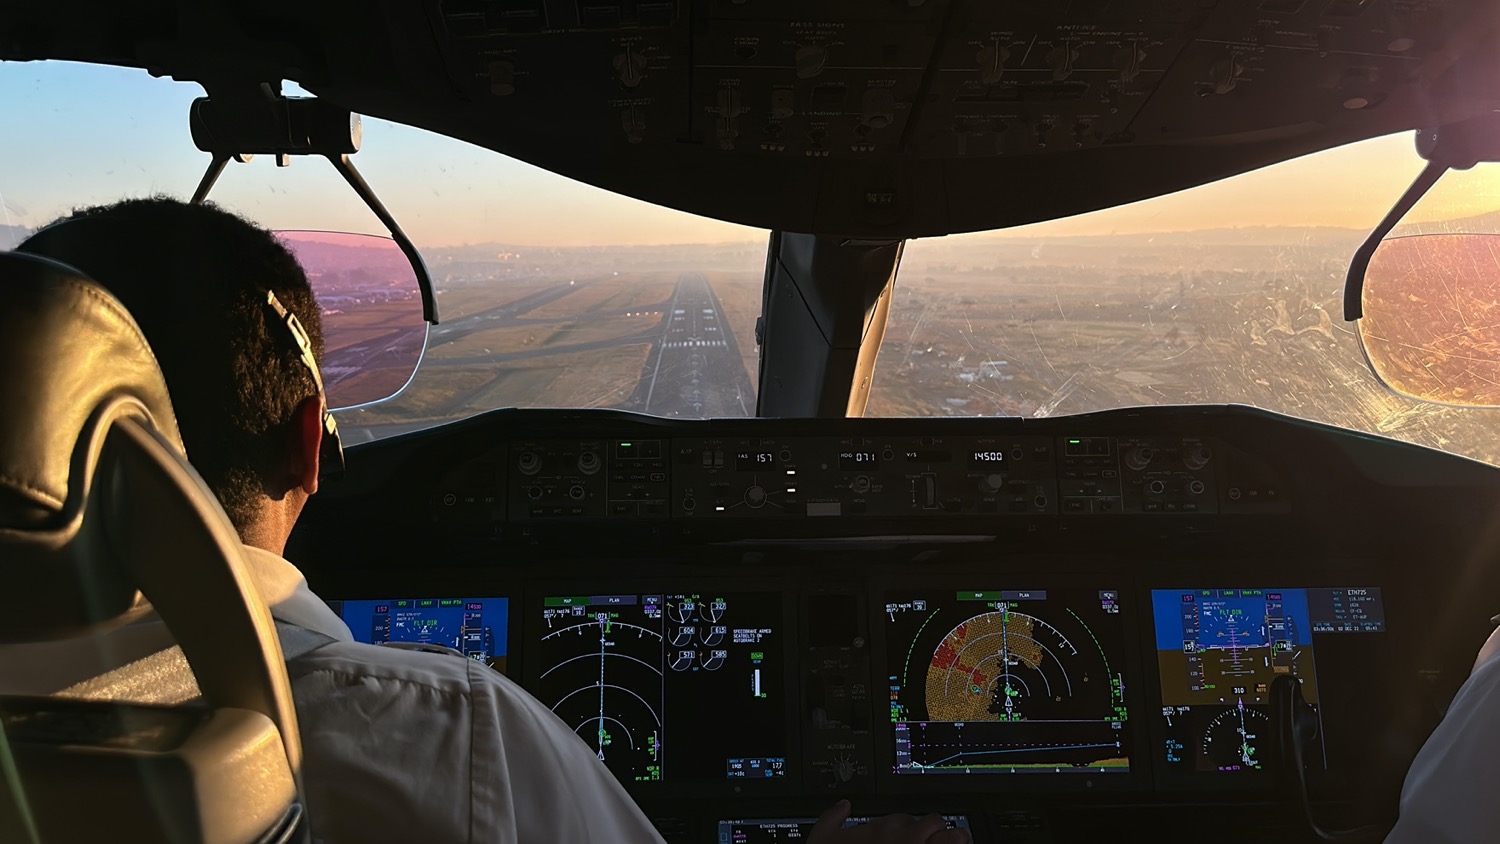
[556,294]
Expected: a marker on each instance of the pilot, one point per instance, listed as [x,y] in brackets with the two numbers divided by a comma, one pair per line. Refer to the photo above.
[1449,793]
[397,744]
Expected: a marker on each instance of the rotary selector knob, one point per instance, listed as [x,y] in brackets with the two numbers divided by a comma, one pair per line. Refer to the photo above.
[529,463]
[993,482]
[1197,456]
[755,496]
[1139,458]
[861,484]
[588,462]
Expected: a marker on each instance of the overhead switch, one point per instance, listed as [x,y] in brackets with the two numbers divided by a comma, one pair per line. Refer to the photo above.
[879,108]
[1061,59]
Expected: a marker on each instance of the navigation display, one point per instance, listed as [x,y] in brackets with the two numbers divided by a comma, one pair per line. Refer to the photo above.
[1007,681]
[669,686]
[1219,650]
[475,627]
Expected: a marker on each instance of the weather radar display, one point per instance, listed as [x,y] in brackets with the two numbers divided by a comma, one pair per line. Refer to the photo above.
[1218,652]
[1007,681]
[633,674]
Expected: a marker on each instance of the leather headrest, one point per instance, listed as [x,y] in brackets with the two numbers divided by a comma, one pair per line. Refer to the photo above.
[66,347]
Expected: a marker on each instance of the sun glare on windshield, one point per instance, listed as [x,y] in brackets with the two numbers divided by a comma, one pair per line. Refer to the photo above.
[557,294]
[1102,312]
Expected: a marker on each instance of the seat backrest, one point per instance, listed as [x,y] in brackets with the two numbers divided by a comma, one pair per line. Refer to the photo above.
[99,515]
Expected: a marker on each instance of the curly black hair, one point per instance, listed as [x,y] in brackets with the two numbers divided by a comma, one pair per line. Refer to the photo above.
[195,278]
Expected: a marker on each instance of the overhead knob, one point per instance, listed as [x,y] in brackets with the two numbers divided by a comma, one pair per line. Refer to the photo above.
[630,67]
[1225,74]
[991,58]
[810,60]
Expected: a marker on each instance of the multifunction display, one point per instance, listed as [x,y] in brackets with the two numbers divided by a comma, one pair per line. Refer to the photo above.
[475,627]
[1007,681]
[669,686]
[1218,652]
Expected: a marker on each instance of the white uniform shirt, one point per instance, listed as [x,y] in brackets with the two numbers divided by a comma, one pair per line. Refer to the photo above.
[399,745]
[1452,790]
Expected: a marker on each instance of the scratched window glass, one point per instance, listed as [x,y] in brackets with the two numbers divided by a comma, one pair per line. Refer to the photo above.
[1228,294]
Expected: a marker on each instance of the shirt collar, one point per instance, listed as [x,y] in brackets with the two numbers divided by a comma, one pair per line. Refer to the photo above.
[285,591]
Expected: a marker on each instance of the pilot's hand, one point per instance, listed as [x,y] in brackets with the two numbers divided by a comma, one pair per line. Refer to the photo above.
[891,829]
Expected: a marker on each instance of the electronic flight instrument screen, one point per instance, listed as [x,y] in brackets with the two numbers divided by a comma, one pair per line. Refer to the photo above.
[1007,681]
[475,627]
[634,675]
[771,830]
[1219,650]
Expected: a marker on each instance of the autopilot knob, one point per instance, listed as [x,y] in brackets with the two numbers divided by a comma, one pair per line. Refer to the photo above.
[1139,458]
[1197,455]
[529,463]
[993,482]
[588,462]
[755,496]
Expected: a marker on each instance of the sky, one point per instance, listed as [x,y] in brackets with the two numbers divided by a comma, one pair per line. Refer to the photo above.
[90,134]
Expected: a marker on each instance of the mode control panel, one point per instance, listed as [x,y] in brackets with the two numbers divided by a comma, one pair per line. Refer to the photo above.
[1112,475]
[862,477]
[726,478]
[591,479]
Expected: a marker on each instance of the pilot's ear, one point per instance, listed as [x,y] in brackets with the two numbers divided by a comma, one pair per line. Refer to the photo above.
[306,440]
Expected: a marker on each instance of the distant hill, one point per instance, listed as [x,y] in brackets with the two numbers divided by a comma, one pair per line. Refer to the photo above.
[1478,224]
[1247,236]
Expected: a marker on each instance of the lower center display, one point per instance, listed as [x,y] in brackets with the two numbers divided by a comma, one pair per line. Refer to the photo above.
[634,675]
[1007,681]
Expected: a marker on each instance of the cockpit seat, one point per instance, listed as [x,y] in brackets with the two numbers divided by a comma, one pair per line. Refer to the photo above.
[101,522]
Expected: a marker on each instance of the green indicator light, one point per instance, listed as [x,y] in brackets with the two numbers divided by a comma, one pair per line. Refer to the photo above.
[625,445]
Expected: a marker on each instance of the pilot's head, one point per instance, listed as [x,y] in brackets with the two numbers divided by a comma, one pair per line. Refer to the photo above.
[195,277]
